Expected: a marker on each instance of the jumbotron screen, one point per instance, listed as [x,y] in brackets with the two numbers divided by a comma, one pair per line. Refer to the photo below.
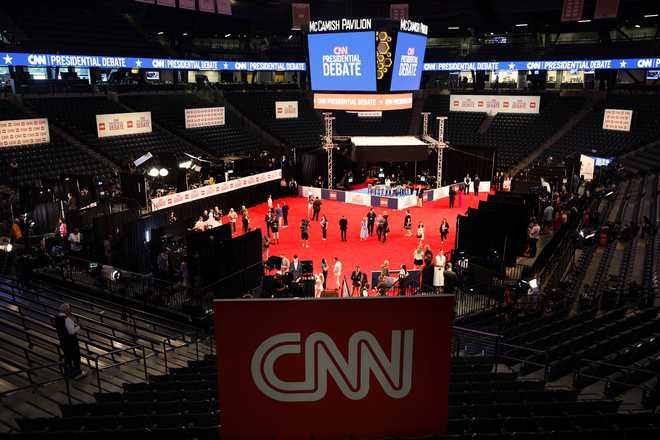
[408,62]
[342,61]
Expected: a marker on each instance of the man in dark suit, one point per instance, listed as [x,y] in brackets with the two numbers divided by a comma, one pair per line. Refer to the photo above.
[296,269]
[343,227]
[371,220]
[452,195]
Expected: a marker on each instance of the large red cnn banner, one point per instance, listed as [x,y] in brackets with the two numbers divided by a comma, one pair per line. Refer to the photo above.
[333,368]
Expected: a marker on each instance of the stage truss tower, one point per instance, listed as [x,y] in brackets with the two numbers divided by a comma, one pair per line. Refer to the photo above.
[328,144]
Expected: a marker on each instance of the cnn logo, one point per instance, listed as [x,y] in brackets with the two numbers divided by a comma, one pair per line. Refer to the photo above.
[322,358]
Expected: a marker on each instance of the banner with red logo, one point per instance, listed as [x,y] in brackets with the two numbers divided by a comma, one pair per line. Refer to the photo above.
[286,109]
[203,192]
[617,119]
[24,132]
[572,10]
[187,4]
[119,124]
[223,7]
[333,368]
[606,9]
[206,5]
[362,101]
[204,117]
[300,15]
[493,104]
[399,11]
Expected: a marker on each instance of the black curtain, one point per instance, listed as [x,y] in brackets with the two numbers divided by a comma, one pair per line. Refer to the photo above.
[459,161]
[45,217]
[312,165]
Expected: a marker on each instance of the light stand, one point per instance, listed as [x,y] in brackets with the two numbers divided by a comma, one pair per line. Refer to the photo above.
[328,145]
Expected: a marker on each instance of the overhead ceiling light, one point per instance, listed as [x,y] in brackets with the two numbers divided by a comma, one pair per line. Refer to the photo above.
[637,26]
[227,35]
[584,21]
[161,33]
[492,33]
[163,172]
[153,172]
[290,37]
[521,25]
[453,28]
[185,34]
[650,15]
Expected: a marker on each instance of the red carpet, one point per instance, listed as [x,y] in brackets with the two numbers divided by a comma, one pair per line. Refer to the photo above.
[368,254]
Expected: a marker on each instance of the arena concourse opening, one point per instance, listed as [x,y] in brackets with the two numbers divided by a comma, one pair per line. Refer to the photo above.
[337,219]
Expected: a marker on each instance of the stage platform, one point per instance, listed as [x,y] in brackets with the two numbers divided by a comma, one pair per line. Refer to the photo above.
[375,199]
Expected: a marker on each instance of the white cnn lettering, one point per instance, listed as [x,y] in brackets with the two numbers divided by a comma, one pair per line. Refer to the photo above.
[323,358]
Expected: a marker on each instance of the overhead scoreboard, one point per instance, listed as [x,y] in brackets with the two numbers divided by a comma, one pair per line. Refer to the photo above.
[365,64]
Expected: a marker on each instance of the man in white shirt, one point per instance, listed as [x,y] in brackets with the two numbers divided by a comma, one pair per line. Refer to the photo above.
[75,241]
[67,332]
[337,272]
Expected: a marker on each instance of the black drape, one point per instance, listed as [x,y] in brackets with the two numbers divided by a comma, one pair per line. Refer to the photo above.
[45,217]
[459,161]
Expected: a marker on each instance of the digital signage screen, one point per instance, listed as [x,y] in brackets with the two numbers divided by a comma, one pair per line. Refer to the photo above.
[408,61]
[344,61]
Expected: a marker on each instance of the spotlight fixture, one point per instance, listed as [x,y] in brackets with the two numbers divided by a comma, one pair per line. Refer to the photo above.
[160,32]
[453,28]
[154,172]
[584,21]
[521,25]
[650,15]
[637,26]
[227,35]
[163,172]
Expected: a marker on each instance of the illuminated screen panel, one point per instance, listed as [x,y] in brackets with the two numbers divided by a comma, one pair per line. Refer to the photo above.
[408,62]
[344,61]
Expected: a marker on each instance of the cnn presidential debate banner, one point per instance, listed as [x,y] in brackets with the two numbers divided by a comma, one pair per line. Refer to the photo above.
[204,117]
[24,132]
[203,192]
[333,368]
[494,104]
[120,124]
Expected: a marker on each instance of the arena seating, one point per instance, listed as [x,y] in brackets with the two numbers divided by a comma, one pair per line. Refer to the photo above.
[590,138]
[44,161]
[183,405]
[168,110]
[514,136]
[115,338]
[303,133]
[77,116]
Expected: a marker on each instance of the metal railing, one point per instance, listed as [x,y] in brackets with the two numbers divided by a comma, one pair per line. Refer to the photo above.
[118,364]
[29,373]
[608,381]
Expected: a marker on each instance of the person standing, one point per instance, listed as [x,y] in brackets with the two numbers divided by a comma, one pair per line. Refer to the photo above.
[232,220]
[295,269]
[420,231]
[379,226]
[444,230]
[356,281]
[337,272]
[343,227]
[407,223]
[466,183]
[266,245]
[310,205]
[316,208]
[275,228]
[285,214]
[385,227]
[324,269]
[67,333]
[364,232]
[246,221]
[403,280]
[304,232]
[534,234]
[269,202]
[268,219]
[439,271]
[278,215]
[418,256]
[476,183]
[324,227]
[371,220]
[75,242]
[452,195]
